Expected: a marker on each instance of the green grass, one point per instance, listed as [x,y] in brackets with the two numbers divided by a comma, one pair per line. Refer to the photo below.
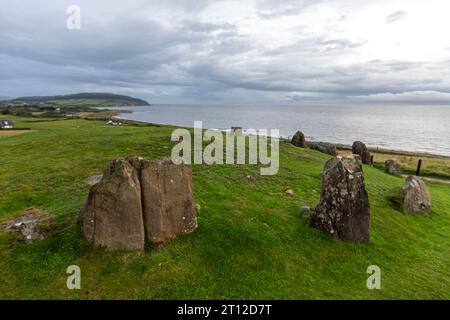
[252,241]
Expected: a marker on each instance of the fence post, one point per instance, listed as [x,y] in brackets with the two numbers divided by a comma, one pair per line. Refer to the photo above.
[419,165]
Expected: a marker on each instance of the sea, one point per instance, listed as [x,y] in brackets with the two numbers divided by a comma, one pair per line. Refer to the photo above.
[413,128]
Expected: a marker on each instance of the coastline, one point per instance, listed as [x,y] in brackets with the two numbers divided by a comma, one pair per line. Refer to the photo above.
[339,146]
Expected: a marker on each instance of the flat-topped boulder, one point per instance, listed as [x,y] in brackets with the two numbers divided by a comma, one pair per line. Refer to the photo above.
[138,200]
[416,196]
[360,149]
[299,140]
[323,147]
[344,209]
[391,166]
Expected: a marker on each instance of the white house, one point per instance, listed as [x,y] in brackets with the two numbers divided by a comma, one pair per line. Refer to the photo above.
[6,124]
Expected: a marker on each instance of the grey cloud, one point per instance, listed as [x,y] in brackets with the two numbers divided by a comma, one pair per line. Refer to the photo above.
[132,50]
[395,16]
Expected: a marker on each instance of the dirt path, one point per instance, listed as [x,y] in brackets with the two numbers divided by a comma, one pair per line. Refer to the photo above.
[432,179]
[10,133]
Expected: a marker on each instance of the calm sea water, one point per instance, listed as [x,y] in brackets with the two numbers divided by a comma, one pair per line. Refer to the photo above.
[408,128]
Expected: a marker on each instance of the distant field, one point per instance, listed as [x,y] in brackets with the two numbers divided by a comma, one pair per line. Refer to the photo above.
[432,166]
[253,240]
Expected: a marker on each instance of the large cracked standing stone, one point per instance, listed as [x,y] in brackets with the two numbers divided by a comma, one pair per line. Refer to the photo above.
[299,140]
[344,209]
[360,149]
[139,200]
[417,198]
[112,217]
[168,203]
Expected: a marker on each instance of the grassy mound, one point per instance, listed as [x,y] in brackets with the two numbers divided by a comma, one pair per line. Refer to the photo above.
[253,242]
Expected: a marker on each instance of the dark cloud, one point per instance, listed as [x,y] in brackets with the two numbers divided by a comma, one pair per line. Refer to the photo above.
[180,51]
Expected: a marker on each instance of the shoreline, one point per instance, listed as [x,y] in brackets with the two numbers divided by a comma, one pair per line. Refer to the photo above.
[339,146]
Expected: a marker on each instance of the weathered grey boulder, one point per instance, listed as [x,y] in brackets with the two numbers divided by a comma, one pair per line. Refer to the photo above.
[416,196]
[391,166]
[299,140]
[139,200]
[324,147]
[112,217]
[360,149]
[168,201]
[344,209]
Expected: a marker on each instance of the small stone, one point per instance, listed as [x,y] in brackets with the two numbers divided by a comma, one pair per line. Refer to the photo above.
[417,198]
[290,192]
[391,166]
[93,180]
[305,209]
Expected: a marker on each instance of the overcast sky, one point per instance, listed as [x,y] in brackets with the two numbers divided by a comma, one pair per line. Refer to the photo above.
[190,51]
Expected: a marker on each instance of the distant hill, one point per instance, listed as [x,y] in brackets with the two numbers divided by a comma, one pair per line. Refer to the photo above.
[84,99]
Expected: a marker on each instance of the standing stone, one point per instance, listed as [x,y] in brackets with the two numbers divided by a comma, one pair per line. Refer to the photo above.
[417,198]
[168,200]
[112,217]
[391,166]
[360,149]
[344,209]
[139,200]
[299,140]
[323,147]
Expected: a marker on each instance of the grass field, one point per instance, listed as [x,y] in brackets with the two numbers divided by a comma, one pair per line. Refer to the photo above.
[252,243]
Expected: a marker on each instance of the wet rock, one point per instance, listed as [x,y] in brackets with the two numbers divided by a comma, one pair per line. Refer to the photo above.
[323,147]
[344,209]
[299,140]
[392,167]
[416,196]
[360,149]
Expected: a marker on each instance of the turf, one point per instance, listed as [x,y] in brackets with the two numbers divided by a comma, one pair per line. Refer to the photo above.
[253,242]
